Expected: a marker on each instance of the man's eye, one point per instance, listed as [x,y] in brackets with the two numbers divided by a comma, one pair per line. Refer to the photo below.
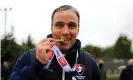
[59,25]
[72,25]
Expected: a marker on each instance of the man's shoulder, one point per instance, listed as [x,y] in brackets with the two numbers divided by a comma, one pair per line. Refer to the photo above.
[26,55]
[87,57]
[86,54]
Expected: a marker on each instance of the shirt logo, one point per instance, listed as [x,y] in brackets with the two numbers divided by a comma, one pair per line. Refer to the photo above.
[79,68]
[73,78]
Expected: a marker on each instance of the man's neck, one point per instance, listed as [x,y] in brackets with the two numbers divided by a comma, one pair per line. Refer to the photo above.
[64,52]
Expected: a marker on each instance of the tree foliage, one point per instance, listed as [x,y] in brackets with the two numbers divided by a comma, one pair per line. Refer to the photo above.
[11,49]
[94,50]
[109,53]
[26,45]
[122,48]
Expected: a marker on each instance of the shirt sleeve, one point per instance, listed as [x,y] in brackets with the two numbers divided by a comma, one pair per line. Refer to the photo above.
[24,69]
[95,72]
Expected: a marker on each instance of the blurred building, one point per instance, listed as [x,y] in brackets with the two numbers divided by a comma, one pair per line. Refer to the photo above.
[114,66]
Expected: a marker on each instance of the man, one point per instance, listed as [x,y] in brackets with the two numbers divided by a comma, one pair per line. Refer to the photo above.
[127,73]
[58,57]
[102,71]
[6,68]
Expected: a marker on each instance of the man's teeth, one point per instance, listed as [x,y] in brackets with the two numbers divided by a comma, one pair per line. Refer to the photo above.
[66,39]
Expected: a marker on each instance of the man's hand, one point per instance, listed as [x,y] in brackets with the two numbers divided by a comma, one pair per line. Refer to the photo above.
[43,49]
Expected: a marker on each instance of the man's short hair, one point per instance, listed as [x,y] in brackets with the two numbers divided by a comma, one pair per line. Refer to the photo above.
[65,7]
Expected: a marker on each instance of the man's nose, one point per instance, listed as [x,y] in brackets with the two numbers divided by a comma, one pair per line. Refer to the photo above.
[65,30]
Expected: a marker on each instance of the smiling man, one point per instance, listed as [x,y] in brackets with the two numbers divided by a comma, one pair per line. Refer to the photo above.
[58,57]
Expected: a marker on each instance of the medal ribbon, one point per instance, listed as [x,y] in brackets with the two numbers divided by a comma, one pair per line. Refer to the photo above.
[61,59]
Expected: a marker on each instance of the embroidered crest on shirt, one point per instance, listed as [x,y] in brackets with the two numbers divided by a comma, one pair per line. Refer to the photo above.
[80,68]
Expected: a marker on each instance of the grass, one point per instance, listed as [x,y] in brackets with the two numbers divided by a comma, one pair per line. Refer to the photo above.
[113,78]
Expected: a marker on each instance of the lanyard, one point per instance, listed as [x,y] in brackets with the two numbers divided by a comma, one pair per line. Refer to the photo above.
[61,59]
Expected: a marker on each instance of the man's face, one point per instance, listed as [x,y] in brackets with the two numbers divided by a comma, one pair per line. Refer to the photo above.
[65,24]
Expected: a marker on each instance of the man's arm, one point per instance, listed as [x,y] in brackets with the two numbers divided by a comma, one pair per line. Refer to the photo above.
[24,69]
[91,64]
[95,72]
